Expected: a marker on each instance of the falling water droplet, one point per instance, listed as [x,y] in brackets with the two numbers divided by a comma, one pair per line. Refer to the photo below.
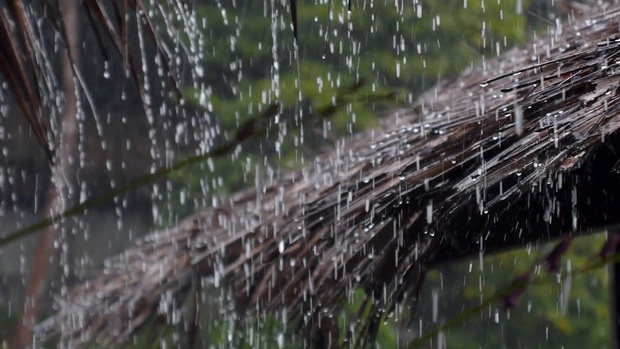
[429,212]
[106,70]
[518,120]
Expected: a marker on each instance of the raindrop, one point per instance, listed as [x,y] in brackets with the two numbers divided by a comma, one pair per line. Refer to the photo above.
[435,296]
[429,212]
[518,120]
[106,70]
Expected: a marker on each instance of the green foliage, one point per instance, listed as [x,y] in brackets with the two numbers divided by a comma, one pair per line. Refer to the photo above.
[394,47]
[553,312]
[250,60]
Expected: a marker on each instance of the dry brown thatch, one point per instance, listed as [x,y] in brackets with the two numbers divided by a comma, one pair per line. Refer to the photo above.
[524,149]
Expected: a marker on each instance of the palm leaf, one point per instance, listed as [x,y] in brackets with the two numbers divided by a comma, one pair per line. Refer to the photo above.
[15,69]
[26,76]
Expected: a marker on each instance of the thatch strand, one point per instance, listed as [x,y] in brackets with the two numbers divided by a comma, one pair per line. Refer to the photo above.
[519,150]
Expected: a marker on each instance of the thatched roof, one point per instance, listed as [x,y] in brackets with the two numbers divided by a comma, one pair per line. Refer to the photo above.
[523,149]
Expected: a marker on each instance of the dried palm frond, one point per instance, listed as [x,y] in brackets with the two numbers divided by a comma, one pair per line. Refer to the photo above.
[27,66]
[524,149]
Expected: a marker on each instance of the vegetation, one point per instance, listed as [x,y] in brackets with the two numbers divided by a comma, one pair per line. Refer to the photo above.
[441,43]
[397,50]
[553,311]
[332,53]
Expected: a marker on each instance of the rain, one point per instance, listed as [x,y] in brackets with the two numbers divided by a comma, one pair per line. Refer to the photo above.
[322,174]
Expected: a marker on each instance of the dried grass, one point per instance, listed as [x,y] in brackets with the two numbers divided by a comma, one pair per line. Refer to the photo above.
[521,150]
